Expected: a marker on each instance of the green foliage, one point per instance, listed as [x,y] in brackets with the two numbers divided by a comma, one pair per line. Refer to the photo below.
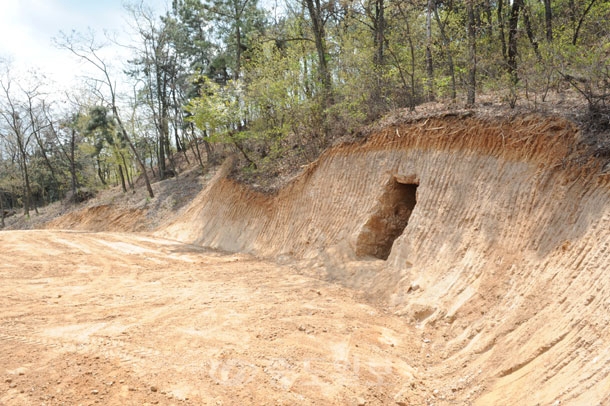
[216,109]
[236,75]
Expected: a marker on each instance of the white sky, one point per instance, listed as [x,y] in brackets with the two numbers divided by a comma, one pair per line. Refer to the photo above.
[28,26]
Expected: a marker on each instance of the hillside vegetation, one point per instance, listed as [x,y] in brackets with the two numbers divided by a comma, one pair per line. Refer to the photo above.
[278,85]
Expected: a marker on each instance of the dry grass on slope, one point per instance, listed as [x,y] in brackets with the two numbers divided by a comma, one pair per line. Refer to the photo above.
[113,210]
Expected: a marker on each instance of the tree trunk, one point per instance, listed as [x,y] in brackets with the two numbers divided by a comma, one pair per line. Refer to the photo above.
[99,172]
[152,153]
[27,191]
[27,200]
[238,54]
[580,21]
[512,40]
[1,209]
[488,14]
[501,29]
[195,146]
[376,104]
[315,13]
[122,178]
[161,157]
[548,18]
[410,92]
[472,54]
[134,150]
[379,35]
[429,65]
[73,164]
[530,33]
[208,149]
[447,45]
[45,157]
[127,175]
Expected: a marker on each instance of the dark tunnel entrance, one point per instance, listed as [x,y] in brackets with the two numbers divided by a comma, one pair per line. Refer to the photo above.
[388,221]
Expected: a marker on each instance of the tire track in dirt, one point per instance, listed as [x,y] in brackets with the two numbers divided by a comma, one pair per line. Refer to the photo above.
[193,324]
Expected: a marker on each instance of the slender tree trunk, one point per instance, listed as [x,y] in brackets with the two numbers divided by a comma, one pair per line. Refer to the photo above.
[306,82]
[1,209]
[45,157]
[447,46]
[179,144]
[530,33]
[99,172]
[238,53]
[548,19]
[122,178]
[161,150]
[580,21]
[129,181]
[488,14]
[161,158]
[134,150]
[379,35]
[429,64]
[411,91]
[512,50]
[27,191]
[512,40]
[73,164]
[152,152]
[501,34]
[315,13]
[472,54]
[195,146]
[208,148]
[377,105]
[241,149]
[28,203]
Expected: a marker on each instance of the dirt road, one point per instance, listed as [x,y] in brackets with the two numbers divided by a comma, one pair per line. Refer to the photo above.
[100,318]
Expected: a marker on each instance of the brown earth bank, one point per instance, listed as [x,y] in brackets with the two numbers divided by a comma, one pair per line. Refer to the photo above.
[477,244]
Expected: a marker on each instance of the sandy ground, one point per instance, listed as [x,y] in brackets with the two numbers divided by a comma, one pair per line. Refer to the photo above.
[102,318]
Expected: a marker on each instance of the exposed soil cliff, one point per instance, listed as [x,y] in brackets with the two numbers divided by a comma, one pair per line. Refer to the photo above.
[487,236]
[490,235]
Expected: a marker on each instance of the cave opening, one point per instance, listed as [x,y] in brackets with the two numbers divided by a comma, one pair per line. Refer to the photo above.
[388,221]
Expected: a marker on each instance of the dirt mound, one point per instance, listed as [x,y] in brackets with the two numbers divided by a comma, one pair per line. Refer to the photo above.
[101,218]
[488,234]
[113,210]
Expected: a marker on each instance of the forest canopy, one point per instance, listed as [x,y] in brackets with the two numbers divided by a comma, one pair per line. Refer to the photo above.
[282,82]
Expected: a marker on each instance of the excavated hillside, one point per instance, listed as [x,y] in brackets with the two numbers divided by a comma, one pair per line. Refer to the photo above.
[489,235]
[446,260]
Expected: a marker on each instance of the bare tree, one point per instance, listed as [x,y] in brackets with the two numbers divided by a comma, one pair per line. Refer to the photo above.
[86,49]
[155,66]
[15,116]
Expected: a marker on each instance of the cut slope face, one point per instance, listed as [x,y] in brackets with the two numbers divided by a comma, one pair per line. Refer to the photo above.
[502,264]
[389,220]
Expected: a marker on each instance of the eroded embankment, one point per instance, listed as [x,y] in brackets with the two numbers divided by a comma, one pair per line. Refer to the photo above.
[488,237]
